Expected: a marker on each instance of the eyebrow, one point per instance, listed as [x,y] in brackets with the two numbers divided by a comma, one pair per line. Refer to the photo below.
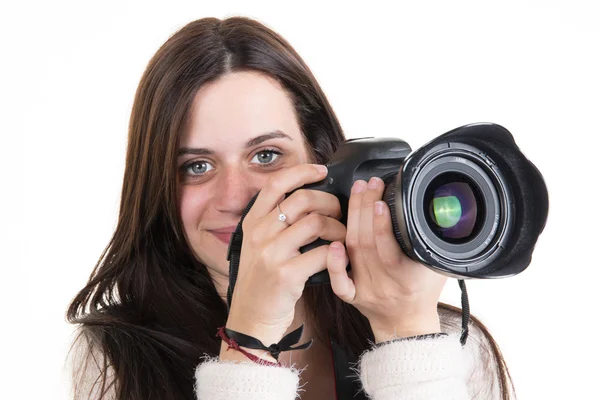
[250,143]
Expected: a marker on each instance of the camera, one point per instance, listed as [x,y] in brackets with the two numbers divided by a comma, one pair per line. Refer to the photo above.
[468,204]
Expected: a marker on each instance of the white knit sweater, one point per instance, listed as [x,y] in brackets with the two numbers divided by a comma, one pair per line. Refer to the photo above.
[430,369]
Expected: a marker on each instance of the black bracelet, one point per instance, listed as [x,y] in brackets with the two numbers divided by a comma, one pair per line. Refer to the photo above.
[284,344]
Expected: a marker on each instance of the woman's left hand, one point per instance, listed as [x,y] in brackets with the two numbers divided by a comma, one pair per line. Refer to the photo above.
[398,296]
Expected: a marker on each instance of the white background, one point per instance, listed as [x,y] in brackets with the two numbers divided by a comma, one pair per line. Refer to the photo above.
[408,69]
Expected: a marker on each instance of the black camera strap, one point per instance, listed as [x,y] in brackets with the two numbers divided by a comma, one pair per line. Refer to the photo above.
[466,311]
[234,251]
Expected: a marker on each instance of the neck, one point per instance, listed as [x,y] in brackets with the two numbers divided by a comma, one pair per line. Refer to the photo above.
[300,356]
[317,377]
[221,283]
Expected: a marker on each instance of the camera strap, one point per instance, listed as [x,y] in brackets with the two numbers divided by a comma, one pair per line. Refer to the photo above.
[234,251]
[466,311]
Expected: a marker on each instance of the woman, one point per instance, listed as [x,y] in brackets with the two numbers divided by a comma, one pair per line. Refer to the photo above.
[226,109]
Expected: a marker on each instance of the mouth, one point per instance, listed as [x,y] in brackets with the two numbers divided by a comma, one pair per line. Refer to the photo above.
[223,237]
[223,234]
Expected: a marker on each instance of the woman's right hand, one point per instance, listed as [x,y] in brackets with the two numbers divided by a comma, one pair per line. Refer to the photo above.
[272,271]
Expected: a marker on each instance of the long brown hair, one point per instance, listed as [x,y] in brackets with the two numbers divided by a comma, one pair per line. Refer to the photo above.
[150,310]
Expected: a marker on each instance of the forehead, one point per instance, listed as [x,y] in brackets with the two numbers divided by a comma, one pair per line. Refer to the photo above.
[237,107]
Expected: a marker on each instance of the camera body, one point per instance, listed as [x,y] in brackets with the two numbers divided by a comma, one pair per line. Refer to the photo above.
[357,159]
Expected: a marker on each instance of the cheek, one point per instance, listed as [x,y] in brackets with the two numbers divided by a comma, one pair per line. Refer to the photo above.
[192,204]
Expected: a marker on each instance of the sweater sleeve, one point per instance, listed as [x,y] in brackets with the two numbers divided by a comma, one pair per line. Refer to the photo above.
[433,368]
[423,369]
[222,380]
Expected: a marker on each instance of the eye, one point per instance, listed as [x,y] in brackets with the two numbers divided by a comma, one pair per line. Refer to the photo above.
[266,157]
[197,168]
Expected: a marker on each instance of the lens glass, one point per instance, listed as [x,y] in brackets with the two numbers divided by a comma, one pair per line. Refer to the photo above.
[454,207]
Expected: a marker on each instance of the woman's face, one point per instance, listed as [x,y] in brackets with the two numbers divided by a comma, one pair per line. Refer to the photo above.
[242,129]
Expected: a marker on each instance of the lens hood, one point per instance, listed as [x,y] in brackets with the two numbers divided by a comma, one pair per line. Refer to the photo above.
[512,194]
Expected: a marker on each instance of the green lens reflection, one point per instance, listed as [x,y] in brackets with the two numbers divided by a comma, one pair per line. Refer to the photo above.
[447,211]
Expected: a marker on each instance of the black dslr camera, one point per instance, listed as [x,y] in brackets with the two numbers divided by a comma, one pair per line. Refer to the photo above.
[468,204]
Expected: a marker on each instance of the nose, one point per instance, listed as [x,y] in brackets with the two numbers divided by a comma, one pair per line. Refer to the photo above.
[235,187]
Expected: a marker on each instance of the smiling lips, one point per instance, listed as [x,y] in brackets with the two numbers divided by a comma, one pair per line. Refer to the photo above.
[223,234]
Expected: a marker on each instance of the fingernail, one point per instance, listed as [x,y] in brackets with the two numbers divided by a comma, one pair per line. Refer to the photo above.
[379,207]
[373,183]
[336,246]
[358,187]
[322,169]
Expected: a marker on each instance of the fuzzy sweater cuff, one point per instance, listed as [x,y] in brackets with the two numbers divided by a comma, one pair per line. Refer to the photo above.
[218,380]
[429,368]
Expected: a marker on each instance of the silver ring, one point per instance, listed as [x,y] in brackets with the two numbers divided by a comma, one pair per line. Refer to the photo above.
[282,217]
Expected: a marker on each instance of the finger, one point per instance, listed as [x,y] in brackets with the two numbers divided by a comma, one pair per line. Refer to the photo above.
[295,207]
[309,229]
[283,182]
[298,269]
[306,201]
[353,226]
[290,276]
[341,284]
[387,246]
[366,236]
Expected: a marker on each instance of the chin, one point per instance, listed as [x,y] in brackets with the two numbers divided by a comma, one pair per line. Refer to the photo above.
[216,262]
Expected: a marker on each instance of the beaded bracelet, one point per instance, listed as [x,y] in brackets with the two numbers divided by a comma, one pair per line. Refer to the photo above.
[232,344]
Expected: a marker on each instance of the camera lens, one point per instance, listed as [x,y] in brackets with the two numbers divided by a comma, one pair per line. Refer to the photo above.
[454,208]
[457,203]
